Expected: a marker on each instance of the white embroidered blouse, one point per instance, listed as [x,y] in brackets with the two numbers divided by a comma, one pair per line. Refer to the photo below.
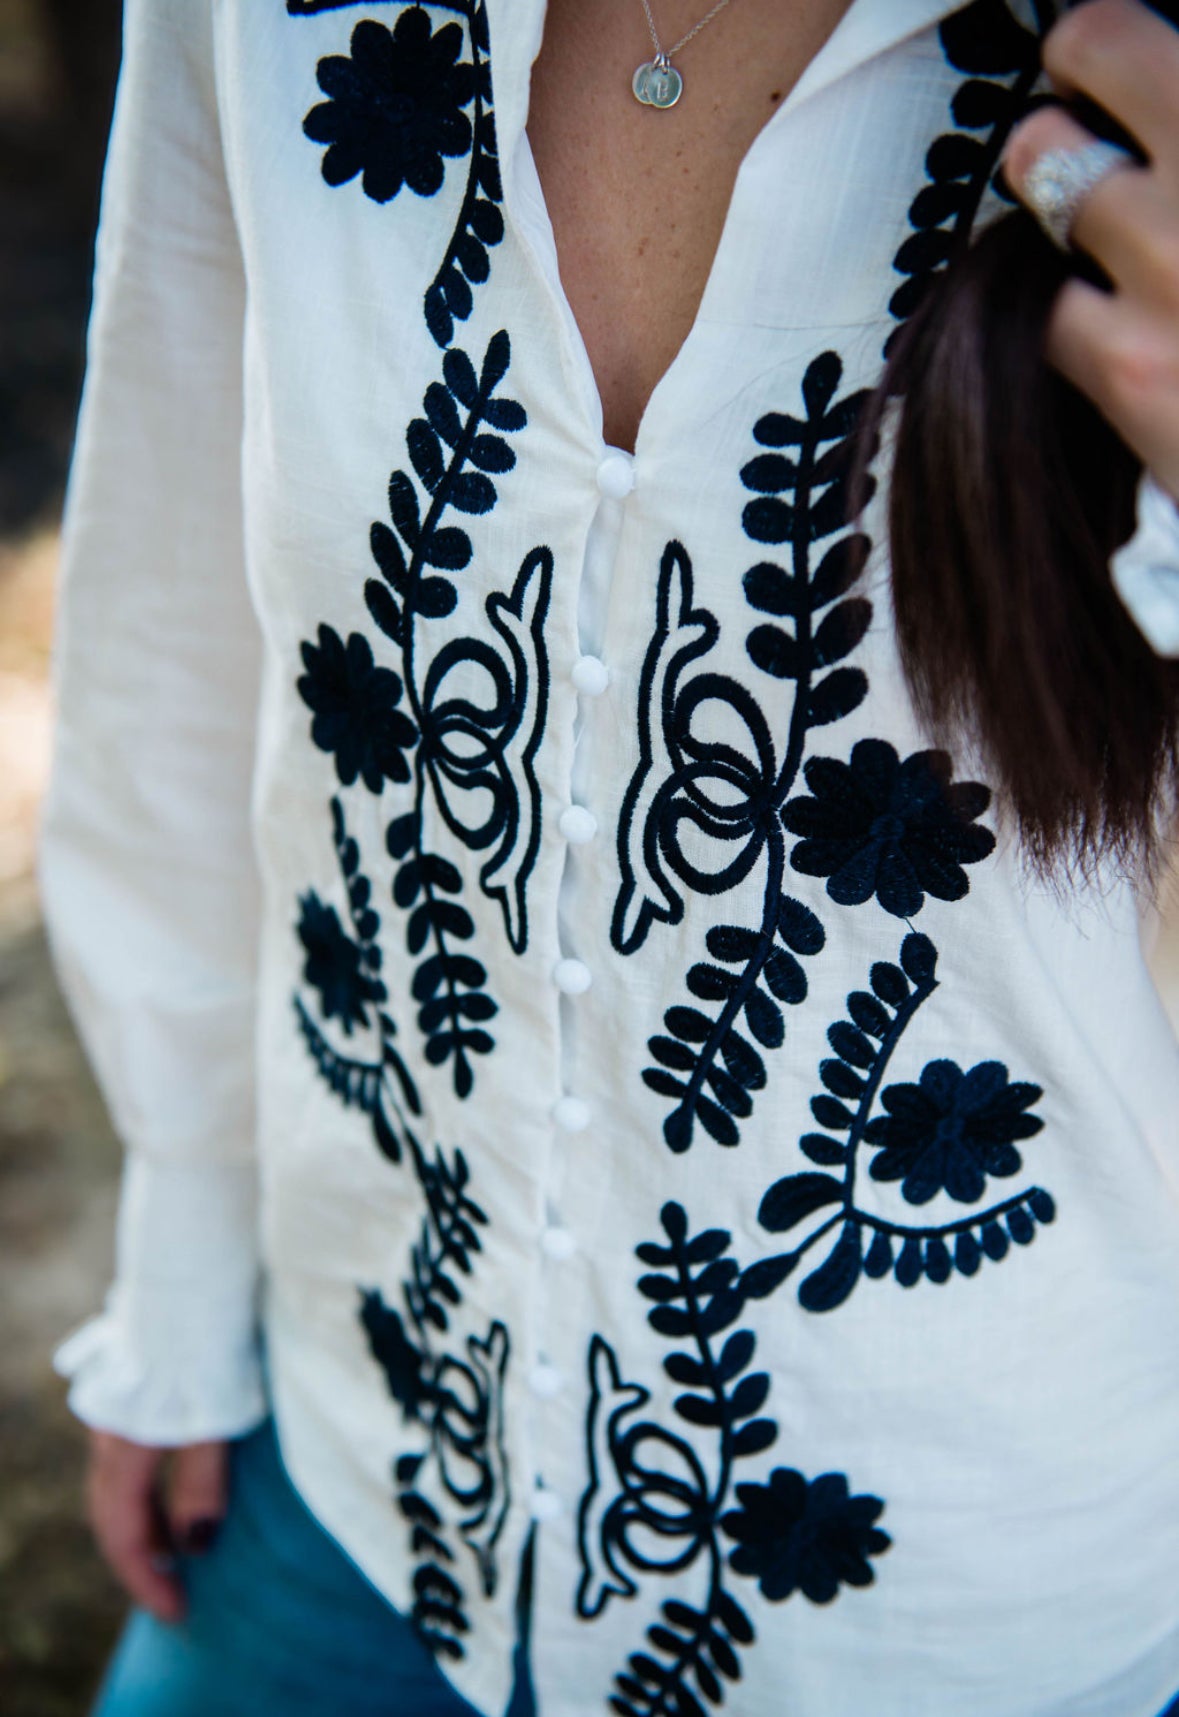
[546,982]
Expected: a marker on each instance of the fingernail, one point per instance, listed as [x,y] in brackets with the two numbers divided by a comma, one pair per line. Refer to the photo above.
[200,1535]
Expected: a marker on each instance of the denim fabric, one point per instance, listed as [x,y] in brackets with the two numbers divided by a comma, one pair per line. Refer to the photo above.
[280,1623]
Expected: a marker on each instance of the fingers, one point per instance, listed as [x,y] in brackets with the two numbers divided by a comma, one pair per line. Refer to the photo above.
[197,1494]
[1124,56]
[1128,222]
[1127,361]
[127,1518]
[1121,347]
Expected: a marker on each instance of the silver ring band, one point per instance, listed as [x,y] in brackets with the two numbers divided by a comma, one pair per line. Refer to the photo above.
[1060,180]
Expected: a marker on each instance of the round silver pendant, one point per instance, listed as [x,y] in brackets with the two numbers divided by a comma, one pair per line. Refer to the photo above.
[657,85]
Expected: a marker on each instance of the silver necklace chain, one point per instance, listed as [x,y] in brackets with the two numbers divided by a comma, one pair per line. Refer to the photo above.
[656,82]
[664,54]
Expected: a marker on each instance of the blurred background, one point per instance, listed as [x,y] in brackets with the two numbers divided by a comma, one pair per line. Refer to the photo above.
[58,1162]
[59,1609]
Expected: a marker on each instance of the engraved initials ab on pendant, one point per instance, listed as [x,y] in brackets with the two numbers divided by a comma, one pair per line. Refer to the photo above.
[656,83]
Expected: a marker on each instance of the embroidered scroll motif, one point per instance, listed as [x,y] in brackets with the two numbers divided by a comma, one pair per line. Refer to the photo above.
[656,1505]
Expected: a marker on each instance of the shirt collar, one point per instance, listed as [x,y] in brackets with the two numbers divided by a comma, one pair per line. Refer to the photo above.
[867,28]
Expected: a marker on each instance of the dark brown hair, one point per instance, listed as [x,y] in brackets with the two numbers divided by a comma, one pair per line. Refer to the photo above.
[1009,494]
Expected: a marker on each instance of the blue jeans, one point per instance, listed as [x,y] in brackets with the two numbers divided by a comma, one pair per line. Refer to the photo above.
[280,1623]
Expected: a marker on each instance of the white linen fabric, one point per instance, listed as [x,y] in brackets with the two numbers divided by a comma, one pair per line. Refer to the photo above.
[561,1012]
[1145,570]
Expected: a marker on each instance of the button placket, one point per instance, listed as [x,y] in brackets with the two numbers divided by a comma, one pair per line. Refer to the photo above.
[577,825]
[558,1243]
[545,1380]
[589,678]
[545,1504]
[572,977]
[571,1113]
[616,474]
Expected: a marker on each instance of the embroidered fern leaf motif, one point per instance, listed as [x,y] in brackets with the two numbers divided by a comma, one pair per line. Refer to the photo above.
[710,1063]
[464,727]
[1002,57]
[703,1053]
[654,1505]
[456,1399]
[950,1133]
[480,225]
[458,1402]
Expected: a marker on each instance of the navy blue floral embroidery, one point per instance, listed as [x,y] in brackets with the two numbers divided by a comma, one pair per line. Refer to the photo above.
[654,1506]
[729,796]
[876,826]
[395,106]
[344,971]
[949,1133]
[478,743]
[397,109]
[335,965]
[479,226]
[474,715]
[952,1131]
[404,1365]
[463,728]
[880,826]
[308,8]
[355,706]
[454,1399]
[804,1536]
[458,1403]
[1002,57]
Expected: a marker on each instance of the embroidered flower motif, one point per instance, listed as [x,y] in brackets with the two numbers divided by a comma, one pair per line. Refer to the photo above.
[805,1537]
[880,826]
[404,1364]
[355,708]
[952,1130]
[335,964]
[395,108]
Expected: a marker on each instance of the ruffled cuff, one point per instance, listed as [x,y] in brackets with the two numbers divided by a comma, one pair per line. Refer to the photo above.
[202,1382]
[1145,570]
[176,1355]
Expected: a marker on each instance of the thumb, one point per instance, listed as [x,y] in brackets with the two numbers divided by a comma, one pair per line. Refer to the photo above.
[197,1494]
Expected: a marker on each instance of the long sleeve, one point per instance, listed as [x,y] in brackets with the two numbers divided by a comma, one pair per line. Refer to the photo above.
[146,858]
[1145,570]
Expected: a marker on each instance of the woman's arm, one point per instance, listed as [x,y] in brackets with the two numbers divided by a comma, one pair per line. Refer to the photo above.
[146,858]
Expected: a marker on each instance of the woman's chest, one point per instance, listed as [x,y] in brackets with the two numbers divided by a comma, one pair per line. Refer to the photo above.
[638,194]
[401,223]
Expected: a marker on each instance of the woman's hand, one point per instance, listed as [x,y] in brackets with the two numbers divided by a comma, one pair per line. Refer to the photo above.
[140,1524]
[1119,348]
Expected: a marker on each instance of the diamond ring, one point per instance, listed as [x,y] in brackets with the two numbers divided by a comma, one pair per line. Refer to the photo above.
[1059,181]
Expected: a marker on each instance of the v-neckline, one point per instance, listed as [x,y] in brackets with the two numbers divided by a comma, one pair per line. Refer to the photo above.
[860,35]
